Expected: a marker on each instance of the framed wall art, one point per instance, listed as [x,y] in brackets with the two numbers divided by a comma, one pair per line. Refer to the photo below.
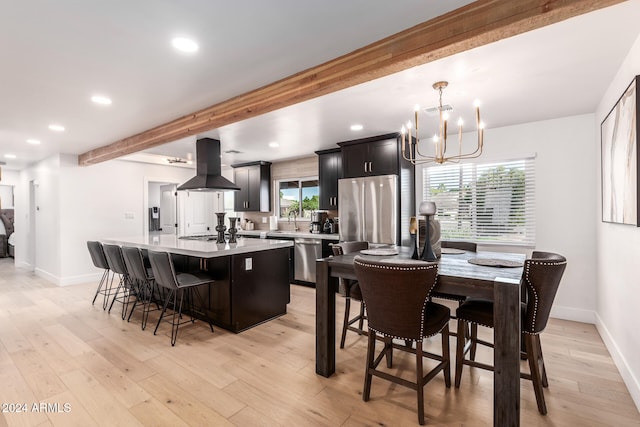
[619,144]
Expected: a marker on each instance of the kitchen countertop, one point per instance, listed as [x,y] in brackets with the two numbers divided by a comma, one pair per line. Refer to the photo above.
[197,248]
[289,234]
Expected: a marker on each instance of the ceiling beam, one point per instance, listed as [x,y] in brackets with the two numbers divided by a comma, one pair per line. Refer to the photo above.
[476,24]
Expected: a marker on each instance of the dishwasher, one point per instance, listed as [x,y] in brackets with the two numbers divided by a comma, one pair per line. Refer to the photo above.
[306,252]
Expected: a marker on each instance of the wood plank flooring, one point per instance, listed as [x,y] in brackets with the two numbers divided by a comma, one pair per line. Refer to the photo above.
[94,369]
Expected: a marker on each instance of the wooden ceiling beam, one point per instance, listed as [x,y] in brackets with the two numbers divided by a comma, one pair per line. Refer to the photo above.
[476,24]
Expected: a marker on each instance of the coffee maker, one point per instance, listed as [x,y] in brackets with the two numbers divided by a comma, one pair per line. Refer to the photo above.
[317,221]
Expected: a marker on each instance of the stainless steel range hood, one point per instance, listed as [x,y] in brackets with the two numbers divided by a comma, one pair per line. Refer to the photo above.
[208,169]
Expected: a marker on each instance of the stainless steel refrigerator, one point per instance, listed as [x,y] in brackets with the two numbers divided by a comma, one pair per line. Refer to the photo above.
[368,208]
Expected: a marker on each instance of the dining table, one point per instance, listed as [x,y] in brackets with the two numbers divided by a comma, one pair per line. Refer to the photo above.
[459,273]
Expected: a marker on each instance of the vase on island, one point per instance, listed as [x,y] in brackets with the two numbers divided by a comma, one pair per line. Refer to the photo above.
[232,229]
[220,228]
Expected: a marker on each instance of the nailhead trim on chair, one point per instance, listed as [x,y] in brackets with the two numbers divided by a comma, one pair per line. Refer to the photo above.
[529,286]
[412,268]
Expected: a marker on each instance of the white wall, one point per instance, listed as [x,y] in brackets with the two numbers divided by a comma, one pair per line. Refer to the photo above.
[45,175]
[10,177]
[618,249]
[83,203]
[565,197]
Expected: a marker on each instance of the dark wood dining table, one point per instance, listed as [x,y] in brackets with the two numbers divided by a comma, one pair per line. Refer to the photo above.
[456,275]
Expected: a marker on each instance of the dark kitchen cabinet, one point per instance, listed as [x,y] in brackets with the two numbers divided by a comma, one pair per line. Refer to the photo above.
[329,172]
[379,155]
[254,180]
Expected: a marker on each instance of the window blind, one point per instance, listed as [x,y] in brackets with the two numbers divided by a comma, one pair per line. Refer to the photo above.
[484,202]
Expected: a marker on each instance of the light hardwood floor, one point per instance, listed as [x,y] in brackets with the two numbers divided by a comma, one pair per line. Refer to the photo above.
[56,348]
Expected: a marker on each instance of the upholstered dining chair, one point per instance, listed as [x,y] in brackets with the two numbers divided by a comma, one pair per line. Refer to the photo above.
[178,285]
[351,291]
[540,278]
[125,290]
[100,261]
[396,293]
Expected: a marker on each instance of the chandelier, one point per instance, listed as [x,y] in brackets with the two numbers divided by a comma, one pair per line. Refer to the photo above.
[411,151]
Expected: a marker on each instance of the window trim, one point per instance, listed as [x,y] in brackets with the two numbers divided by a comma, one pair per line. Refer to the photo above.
[529,201]
[276,188]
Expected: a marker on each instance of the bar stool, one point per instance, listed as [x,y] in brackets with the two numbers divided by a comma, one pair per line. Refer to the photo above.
[396,293]
[100,261]
[351,291]
[541,277]
[178,284]
[143,278]
[113,253]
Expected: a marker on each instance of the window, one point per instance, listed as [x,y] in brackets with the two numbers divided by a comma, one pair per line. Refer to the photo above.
[292,192]
[484,202]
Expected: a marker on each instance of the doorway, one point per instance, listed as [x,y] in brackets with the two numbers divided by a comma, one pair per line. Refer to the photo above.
[161,206]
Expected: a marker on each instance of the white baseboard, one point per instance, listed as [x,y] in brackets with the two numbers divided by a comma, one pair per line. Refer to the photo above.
[69,280]
[574,314]
[630,380]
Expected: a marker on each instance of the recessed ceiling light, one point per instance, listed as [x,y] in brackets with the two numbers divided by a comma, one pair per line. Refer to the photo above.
[33,141]
[10,156]
[184,44]
[99,99]
[274,145]
[57,128]
[356,127]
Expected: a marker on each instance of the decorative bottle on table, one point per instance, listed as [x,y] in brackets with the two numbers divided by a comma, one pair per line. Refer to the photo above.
[428,209]
[413,232]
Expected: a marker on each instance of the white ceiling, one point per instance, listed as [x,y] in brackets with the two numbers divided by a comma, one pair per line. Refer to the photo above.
[56,55]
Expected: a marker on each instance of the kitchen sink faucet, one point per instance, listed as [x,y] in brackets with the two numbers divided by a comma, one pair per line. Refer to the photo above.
[295,216]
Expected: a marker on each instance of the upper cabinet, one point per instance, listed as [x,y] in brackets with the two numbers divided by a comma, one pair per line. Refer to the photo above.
[378,155]
[329,172]
[254,180]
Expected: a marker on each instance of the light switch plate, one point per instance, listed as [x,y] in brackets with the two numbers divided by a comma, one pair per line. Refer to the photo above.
[248,264]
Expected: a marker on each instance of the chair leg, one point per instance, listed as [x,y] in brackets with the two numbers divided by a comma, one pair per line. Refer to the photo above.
[533,357]
[460,344]
[176,323]
[371,349]
[107,294]
[362,316]
[388,343]
[545,382]
[347,308]
[446,356]
[474,343]
[164,309]
[103,280]
[420,382]
[120,285]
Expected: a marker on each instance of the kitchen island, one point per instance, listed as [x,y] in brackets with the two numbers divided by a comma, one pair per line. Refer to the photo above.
[251,277]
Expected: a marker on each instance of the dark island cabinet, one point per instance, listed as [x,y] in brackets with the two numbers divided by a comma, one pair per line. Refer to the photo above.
[254,180]
[378,155]
[329,172]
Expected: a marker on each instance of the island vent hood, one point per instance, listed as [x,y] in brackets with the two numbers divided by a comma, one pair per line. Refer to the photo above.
[208,169]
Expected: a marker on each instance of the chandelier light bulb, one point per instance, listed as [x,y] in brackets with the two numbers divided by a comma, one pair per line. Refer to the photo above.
[481,125]
[409,125]
[460,121]
[416,107]
[403,130]
[445,116]
[476,103]
[435,138]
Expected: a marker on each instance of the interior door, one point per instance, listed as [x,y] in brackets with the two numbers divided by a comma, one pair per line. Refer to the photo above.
[195,213]
[168,208]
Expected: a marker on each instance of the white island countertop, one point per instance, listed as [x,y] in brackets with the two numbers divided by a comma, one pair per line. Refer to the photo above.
[197,248]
